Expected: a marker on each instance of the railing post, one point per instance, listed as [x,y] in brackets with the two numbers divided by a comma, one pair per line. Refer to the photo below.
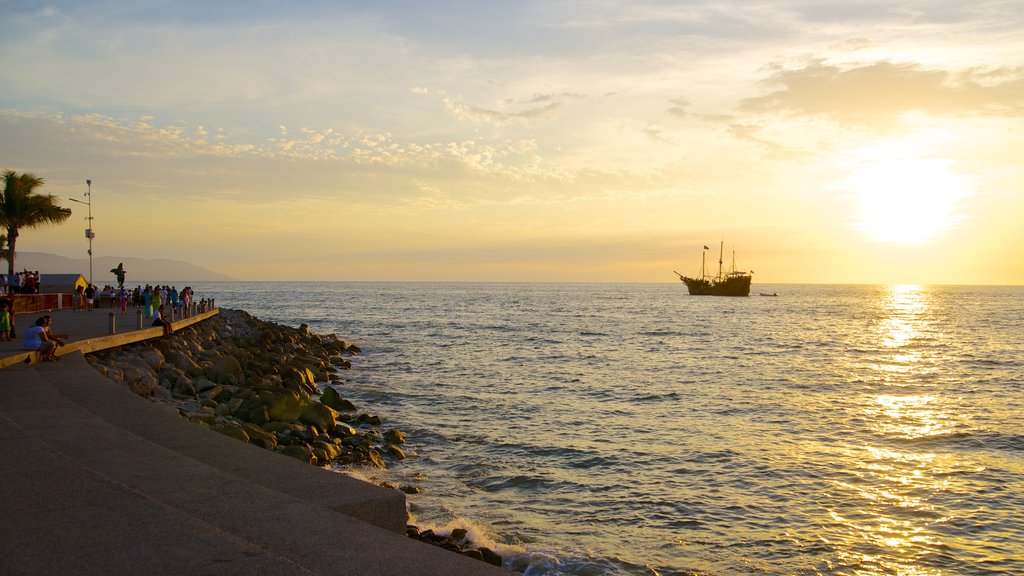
[138,316]
[112,326]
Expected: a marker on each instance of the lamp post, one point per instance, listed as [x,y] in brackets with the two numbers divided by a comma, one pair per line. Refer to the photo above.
[89,234]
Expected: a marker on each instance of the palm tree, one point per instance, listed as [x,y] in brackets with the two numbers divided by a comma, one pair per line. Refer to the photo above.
[21,207]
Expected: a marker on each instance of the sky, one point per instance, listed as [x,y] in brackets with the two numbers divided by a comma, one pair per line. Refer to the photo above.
[577,141]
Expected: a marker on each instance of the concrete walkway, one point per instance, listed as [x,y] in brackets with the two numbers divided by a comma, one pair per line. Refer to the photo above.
[97,480]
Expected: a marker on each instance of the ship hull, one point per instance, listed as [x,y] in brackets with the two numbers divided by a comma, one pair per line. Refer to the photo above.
[733,286]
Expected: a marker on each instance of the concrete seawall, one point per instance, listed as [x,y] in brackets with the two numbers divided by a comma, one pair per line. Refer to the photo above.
[99,480]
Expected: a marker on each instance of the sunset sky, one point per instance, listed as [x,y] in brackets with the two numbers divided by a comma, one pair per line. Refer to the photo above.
[831,142]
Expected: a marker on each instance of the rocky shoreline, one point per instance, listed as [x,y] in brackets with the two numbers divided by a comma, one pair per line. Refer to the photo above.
[270,385]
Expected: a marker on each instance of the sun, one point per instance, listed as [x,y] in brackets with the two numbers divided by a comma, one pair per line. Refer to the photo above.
[903,197]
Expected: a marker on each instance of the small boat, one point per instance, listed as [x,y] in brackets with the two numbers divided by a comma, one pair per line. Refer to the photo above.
[732,283]
[767,294]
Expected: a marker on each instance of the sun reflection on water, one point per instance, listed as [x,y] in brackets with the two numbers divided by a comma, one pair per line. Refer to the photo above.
[889,515]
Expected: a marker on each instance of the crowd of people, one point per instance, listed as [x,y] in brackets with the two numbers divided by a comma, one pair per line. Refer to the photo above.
[25,282]
[159,304]
[149,298]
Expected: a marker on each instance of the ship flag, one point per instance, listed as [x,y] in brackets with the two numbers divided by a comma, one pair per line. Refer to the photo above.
[706,248]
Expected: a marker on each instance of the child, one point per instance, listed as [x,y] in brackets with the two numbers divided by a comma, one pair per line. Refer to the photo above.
[5,322]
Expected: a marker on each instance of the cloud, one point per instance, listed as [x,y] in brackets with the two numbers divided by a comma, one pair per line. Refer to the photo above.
[537,107]
[881,91]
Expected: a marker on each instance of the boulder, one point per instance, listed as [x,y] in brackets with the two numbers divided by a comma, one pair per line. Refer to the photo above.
[225,370]
[394,436]
[330,397]
[490,556]
[202,384]
[153,358]
[371,419]
[342,430]
[330,451]
[375,458]
[144,385]
[298,452]
[231,431]
[287,407]
[301,376]
[323,417]
[184,362]
[260,437]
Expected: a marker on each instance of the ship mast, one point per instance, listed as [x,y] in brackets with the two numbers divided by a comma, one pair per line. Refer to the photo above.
[721,248]
[703,262]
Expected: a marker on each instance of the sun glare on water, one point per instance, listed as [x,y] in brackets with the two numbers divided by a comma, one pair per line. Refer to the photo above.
[903,197]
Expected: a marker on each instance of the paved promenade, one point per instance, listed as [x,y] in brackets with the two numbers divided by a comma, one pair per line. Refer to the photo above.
[97,480]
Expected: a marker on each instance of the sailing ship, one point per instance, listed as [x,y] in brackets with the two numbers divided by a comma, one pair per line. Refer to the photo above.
[732,283]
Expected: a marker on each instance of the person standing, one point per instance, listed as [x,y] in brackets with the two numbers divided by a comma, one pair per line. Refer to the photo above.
[5,322]
[158,298]
[122,299]
[90,297]
[147,300]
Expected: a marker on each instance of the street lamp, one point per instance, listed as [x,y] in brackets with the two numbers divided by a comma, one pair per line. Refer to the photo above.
[88,231]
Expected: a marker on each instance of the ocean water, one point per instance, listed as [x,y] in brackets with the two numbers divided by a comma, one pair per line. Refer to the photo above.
[632,429]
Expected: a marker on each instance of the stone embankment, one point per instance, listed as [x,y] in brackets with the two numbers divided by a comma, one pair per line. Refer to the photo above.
[270,385]
[258,382]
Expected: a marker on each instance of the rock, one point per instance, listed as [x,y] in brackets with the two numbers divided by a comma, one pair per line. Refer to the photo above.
[145,385]
[153,358]
[474,554]
[298,452]
[206,418]
[342,430]
[459,534]
[375,459]
[490,556]
[394,452]
[287,407]
[298,376]
[211,393]
[340,362]
[409,489]
[329,448]
[323,417]
[330,397]
[185,388]
[203,384]
[260,437]
[231,431]
[371,419]
[184,362]
[394,436]
[225,370]
[278,426]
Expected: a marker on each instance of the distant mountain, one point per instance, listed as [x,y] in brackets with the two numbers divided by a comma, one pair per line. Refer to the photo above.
[137,269]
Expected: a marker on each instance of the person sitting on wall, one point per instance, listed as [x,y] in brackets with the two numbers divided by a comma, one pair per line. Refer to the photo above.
[38,338]
[159,320]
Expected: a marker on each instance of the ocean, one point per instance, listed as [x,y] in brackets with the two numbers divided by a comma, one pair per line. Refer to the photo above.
[597,429]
